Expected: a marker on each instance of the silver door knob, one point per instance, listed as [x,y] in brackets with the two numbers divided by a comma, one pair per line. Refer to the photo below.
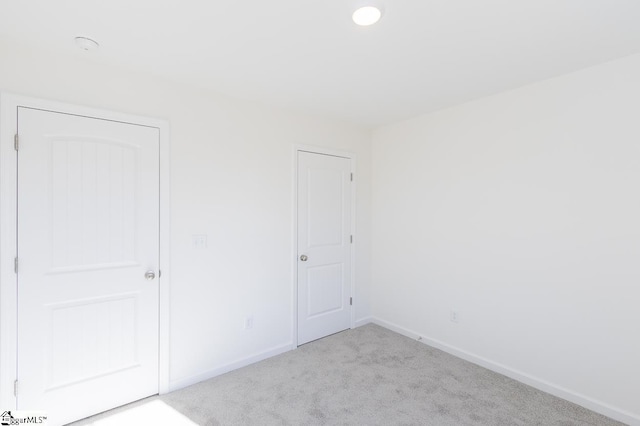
[149,275]
[304,258]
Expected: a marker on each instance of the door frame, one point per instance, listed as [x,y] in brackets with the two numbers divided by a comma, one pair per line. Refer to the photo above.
[336,153]
[9,104]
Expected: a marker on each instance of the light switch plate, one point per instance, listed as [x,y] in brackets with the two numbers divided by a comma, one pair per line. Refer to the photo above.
[199,242]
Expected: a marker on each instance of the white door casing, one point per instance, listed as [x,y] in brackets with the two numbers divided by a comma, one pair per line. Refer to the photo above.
[121,302]
[88,231]
[324,261]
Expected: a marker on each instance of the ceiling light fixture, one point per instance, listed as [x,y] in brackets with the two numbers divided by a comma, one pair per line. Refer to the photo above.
[86,43]
[367,15]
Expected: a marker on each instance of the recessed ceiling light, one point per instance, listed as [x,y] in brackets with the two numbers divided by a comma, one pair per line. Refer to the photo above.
[367,15]
[85,43]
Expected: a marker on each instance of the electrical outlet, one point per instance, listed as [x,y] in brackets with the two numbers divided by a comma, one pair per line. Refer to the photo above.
[248,322]
[453,316]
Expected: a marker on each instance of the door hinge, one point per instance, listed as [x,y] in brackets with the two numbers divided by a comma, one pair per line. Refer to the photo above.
[15,265]
[16,142]
[15,388]
[351,301]
[351,239]
[351,173]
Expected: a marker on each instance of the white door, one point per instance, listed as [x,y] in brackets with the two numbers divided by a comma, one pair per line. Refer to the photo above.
[324,238]
[88,232]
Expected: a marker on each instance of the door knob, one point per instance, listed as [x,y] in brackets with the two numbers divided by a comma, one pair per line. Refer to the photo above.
[304,258]
[149,275]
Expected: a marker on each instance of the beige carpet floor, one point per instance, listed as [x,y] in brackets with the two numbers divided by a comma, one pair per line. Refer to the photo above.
[365,376]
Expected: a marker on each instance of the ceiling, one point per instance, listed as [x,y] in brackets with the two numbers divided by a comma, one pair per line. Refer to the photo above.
[308,55]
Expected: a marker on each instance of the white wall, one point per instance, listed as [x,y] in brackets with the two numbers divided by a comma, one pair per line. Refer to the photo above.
[522,212]
[232,179]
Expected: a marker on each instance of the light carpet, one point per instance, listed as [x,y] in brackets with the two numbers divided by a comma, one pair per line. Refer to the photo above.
[365,376]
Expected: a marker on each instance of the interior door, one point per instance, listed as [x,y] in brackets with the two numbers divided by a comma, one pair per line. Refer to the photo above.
[88,250]
[324,238]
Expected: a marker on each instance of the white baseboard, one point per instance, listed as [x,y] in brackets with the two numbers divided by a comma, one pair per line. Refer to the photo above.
[243,362]
[363,321]
[543,385]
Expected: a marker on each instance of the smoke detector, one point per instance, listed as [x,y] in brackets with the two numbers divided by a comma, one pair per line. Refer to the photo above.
[86,43]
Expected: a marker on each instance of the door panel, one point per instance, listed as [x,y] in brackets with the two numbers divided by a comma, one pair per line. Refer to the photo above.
[325,204]
[324,229]
[103,334]
[88,230]
[92,191]
[325,285]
